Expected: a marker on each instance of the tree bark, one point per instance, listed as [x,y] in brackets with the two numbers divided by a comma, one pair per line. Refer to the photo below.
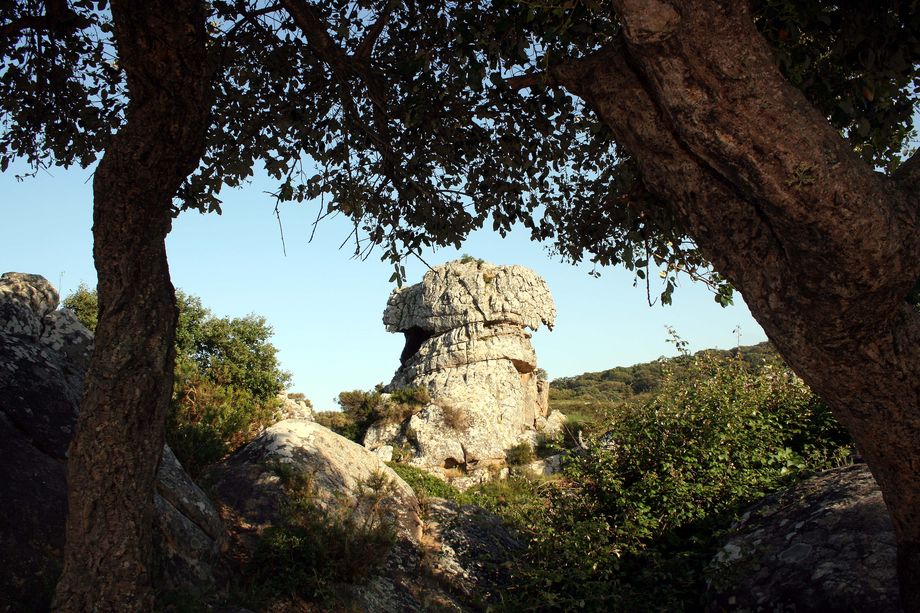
[113,459]
[823,249]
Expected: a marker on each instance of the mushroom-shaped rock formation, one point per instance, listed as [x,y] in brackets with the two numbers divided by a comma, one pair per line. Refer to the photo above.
[467,345]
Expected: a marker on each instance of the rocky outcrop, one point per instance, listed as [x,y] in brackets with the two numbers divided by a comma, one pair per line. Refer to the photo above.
[295,406]
[44,353]
[445,557]
[827,544]
[471,549]
[251,482]
[467,343]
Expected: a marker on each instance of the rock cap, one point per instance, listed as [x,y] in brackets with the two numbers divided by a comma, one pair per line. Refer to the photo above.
[469,291]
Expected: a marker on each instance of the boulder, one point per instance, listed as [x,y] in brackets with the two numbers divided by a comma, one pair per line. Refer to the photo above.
[43,358]
[445,557]
[470,549]
[826,544]
[467,343]
[251,482]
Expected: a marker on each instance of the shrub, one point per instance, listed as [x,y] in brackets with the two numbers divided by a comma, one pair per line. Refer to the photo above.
[455,417]
[227,379]
[415,396]
[84,303]
[424,484]
[641,514]
[338,422]
[364,409]
[468,259]
[318,550]
[520,454]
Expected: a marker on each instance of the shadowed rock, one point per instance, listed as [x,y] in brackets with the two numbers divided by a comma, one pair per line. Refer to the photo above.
[44,354]
[826,544]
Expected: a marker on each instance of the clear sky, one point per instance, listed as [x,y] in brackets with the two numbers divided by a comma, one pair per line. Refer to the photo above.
[326,308]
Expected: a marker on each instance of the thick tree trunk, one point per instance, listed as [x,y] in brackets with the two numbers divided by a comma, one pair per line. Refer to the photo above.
[823,249]
[113,458]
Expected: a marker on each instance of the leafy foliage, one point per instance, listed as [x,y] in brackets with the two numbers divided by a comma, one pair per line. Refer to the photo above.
[227,379]
[361,409]
[424,484]
[227,382]
[592,399]
[85,305]
[400,117]
[520,454]
[640,511]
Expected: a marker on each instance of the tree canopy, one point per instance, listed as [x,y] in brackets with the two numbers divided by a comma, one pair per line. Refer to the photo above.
[422,122]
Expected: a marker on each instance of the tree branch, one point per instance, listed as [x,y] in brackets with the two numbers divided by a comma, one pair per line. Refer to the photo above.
[534,79]
[366,47]
[58,17]
[313,26]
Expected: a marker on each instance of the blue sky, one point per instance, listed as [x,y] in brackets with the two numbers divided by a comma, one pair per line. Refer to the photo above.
[326,308]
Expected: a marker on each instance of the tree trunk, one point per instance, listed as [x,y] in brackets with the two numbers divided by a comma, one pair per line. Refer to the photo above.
[113,459]
[823,249]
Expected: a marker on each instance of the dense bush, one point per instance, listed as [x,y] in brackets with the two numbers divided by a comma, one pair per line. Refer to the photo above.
[338,422]
[641,509]
[227,378]
[597,397]
[424,484]
[361,409]
[85,305]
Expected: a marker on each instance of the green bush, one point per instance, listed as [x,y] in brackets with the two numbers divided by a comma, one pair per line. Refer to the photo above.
[84,303]
[424,484]
[338,422]
[365,408]
[520,454]
[227,379]
[638,517]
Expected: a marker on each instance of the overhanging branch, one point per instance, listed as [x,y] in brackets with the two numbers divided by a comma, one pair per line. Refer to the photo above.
[58,17]
[366,47]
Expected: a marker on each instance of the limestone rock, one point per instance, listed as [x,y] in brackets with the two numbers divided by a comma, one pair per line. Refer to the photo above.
[545,467]
[467,343]
[43,358]
[472,549]
[25,300]
[470,291]
[250,484]
[190,528]
[295,406]
[826,544]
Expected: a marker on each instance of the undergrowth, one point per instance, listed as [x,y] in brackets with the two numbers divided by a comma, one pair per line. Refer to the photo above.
[319,551]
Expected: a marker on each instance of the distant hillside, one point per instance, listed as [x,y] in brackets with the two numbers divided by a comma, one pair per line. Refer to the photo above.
[592,396]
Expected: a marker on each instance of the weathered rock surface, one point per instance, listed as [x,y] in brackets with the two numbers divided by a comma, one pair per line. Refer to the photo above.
[472,549]
[826,544]
[43,358]
[467,344]
[251,482]
[295,406]
[450,560]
